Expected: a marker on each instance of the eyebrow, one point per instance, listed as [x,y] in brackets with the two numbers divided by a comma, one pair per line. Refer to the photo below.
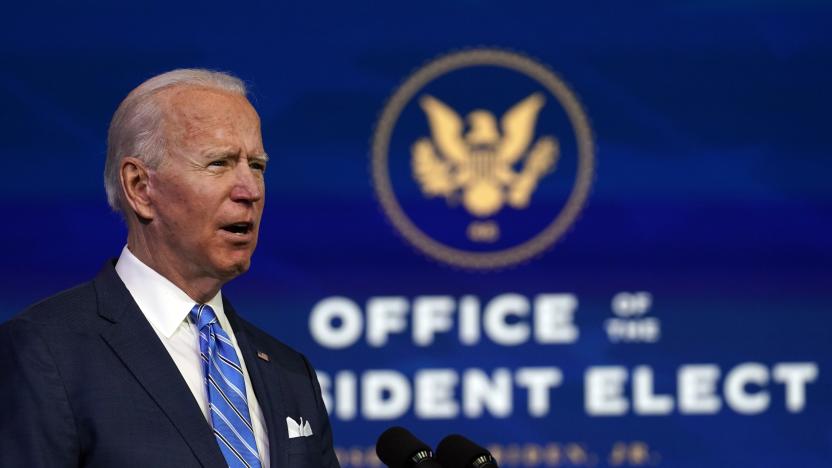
[226,153]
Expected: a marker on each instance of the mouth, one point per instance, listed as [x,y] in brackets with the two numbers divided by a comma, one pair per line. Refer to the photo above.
[239,229]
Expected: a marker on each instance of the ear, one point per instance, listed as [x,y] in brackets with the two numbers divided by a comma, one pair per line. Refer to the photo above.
[135,185]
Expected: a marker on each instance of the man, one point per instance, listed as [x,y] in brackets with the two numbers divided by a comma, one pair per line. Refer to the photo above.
[148,364]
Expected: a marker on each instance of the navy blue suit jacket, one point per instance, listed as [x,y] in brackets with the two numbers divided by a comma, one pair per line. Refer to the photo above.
[85,381]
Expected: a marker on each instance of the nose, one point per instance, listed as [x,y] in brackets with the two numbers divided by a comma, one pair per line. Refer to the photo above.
[248,184]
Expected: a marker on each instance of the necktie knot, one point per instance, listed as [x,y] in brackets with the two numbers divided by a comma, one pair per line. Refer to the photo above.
[203,315]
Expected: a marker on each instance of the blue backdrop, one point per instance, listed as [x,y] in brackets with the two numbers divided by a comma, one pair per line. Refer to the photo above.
[709,208]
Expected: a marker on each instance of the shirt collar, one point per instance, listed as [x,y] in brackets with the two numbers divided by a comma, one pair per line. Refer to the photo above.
[163,304]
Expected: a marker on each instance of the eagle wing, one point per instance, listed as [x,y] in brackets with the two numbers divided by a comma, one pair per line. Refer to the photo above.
[446,127]
[518,128]
[432,173]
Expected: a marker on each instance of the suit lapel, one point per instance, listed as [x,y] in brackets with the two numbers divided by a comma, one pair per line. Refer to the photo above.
[268,384]
[131,337]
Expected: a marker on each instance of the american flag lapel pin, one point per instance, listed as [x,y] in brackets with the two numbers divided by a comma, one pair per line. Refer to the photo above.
[263,356]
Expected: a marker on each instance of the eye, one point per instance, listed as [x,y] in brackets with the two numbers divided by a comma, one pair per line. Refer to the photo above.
[218,163]
[258,166]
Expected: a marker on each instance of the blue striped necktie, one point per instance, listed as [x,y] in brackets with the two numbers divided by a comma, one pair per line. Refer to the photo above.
[226,390]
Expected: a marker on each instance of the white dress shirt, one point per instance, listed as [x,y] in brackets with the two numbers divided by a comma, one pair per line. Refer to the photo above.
[168,308]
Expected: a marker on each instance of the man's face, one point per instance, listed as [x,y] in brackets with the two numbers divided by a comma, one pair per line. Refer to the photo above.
[208,192]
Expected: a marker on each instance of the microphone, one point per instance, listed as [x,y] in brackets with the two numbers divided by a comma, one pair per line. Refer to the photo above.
[456,451]
[398,448]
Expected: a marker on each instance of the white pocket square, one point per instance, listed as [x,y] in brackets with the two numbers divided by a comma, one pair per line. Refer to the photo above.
[302,429]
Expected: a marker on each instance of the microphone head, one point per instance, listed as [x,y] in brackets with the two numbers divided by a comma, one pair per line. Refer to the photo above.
[456,451]
[398,448]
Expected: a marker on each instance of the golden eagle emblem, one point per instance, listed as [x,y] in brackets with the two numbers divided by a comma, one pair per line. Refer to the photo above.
[479,166]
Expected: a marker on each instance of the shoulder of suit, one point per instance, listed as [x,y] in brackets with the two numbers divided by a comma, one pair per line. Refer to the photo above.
[65,309]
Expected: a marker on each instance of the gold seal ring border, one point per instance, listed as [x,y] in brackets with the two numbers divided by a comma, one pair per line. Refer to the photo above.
[513,255]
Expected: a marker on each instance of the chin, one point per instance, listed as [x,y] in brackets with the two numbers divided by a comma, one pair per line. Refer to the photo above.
[233,268]
[241,267]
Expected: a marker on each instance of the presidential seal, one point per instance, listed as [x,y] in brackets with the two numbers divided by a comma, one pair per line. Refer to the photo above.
[482,159]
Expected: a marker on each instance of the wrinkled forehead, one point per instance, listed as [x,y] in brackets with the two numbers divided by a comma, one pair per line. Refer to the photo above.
[190,110]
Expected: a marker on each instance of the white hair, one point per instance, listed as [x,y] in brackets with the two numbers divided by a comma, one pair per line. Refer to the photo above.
[135,129]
